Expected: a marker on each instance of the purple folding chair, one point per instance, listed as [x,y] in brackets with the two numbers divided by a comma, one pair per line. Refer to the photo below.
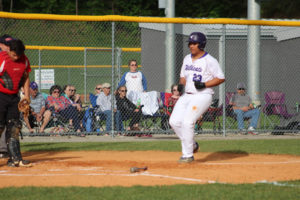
[275,105]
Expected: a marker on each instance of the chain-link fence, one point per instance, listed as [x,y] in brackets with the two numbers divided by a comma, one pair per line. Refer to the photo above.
[79,53]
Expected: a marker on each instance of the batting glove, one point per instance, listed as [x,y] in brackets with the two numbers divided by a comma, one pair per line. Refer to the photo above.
[199,85]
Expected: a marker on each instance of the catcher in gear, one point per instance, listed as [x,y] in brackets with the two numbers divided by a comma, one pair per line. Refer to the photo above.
[14,74]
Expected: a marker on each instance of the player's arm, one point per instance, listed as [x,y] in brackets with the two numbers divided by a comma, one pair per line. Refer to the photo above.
[144,82]
[26,86]
[182,81]
[214,82]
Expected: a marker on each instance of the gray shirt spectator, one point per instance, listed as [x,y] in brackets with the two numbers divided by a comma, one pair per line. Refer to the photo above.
[243,108]
[104,102]
[240,100]
[37,103]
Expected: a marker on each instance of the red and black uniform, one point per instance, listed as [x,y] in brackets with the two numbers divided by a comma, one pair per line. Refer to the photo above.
[11,74]
[11,79]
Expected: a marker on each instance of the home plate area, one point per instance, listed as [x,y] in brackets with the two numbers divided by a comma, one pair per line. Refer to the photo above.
[114,168]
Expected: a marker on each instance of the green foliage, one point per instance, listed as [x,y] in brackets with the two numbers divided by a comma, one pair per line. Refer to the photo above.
[190,8]
[262,146]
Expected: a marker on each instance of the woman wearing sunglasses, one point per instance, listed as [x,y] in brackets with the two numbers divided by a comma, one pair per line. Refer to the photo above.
[128,109]
[134,80]
[57,103]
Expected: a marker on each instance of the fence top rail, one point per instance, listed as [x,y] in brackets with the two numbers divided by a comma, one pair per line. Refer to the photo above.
[64,48]
[149,19]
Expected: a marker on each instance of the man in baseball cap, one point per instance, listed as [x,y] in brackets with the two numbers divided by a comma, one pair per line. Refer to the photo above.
[34,85]
[105,85]
[243,108]
[4,42]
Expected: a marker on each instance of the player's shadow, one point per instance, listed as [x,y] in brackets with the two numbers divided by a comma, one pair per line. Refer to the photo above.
[223,155]
[40,156]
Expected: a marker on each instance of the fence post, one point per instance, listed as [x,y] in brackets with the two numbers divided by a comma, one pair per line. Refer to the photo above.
[40,66]
[84,74]
[119,63]
[222,60]
[112,78]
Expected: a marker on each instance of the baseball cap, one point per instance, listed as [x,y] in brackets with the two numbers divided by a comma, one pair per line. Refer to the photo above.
[241,85]
[5,39]
[33,85]
[105,85]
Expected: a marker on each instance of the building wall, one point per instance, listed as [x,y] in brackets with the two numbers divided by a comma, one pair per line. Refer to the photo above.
[280,62]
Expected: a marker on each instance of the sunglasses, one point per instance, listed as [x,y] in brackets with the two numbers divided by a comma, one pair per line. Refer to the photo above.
[98,88]
[123,90]
[133,65]
[241,89]
[174,90]
[72,90]
[55,91]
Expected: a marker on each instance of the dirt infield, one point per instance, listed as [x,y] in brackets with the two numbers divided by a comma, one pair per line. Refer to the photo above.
[112,168]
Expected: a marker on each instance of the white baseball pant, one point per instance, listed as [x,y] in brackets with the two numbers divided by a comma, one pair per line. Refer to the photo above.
[187,110]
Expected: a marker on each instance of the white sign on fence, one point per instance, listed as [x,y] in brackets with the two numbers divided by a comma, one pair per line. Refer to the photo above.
[47,78]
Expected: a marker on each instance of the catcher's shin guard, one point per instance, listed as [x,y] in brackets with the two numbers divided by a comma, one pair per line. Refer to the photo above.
[14,151]
[2,127]
[13,144]
[15,155]
[13,129]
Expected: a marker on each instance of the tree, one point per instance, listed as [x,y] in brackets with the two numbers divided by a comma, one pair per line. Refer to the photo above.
[188,8]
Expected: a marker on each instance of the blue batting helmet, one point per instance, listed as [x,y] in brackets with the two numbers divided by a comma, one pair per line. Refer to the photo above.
[198,37]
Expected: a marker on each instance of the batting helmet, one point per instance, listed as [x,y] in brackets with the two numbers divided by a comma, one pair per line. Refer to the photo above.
[198,37]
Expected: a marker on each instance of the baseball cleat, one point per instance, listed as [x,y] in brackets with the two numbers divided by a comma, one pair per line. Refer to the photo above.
[196,147]
[25,163]
[3,155]
[186,159]
[10,163]
[22,163]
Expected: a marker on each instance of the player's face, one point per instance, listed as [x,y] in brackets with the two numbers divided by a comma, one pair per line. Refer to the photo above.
[3,47]
[13,55]
[133,66]
[194,48]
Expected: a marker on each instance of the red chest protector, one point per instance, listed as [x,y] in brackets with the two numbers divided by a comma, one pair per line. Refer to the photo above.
[11,73]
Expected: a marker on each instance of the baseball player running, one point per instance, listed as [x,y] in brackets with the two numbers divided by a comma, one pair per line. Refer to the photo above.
[199,73]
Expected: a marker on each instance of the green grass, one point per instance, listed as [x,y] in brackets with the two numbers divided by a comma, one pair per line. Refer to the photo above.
[189,192]
[258,146]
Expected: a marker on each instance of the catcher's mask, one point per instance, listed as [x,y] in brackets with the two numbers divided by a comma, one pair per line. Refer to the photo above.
[198,37]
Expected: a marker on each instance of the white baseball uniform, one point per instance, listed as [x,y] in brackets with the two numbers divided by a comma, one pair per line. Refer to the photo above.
[193,103]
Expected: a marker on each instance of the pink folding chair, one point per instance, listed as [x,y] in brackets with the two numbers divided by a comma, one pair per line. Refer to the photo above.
[275,105]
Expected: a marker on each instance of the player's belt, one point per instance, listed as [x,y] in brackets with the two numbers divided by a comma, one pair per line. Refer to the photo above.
[189,93]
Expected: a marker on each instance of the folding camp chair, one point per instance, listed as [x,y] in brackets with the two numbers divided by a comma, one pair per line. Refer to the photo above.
[211,115]
[159,120]
[93,121]
[275,106]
